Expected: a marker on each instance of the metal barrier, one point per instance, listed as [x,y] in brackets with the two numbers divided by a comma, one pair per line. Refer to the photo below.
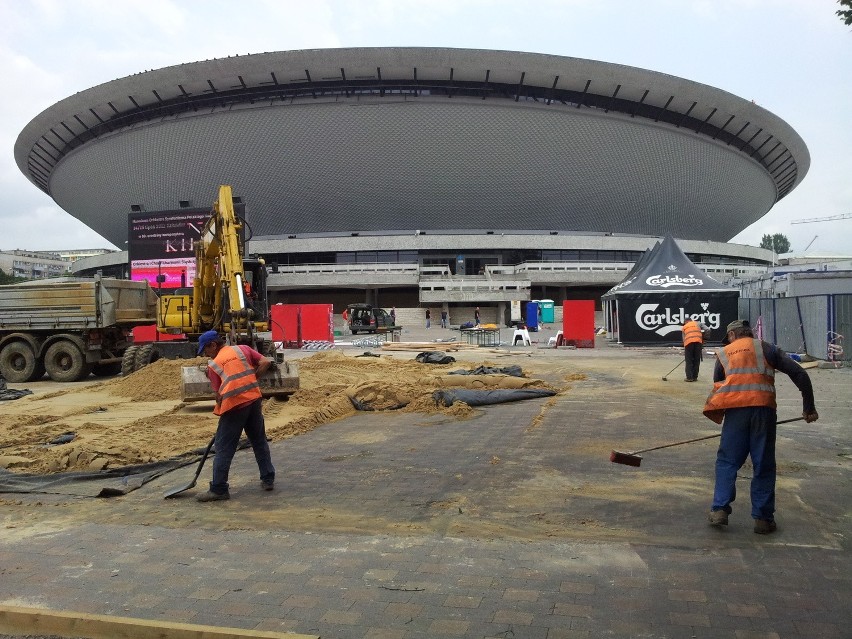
[810,324]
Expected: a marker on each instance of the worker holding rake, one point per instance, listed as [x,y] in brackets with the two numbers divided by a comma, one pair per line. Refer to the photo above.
[743,401]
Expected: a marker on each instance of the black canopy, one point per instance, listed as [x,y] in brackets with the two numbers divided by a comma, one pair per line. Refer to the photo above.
[662,291]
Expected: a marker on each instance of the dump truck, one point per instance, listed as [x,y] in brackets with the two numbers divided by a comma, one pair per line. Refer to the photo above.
[70,327]
[228,295]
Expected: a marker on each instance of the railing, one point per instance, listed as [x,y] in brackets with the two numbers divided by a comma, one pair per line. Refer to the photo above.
[493,274]
[344,269]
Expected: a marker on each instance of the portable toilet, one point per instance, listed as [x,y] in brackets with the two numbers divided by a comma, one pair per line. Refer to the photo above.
[532,316]
[546,311]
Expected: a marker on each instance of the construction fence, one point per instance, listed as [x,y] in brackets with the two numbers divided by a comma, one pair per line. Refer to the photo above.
[813,325]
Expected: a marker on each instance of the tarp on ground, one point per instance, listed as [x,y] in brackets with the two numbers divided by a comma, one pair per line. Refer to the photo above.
[448,397]
[104,483]
[514,371]
[8,394]
[661,293]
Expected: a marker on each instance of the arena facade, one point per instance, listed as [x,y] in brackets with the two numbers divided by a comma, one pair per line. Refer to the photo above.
[425,176]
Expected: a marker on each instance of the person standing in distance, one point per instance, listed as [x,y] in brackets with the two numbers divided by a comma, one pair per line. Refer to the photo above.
[743,401]
[233,374]
[393,315]
[428,318]
[476,317]
[693,340]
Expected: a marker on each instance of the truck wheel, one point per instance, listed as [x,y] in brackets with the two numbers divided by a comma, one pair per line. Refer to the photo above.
[65,362]
[128,360]
[19,364]
[145,355]
[106,370]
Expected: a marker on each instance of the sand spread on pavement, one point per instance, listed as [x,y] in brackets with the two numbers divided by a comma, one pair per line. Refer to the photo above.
[141,419]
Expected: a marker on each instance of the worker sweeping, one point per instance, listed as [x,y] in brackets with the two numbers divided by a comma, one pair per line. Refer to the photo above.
[743,401]
[233,374]
[693,340]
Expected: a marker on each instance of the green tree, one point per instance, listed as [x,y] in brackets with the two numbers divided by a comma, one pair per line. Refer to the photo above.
[778,242]
[845,14]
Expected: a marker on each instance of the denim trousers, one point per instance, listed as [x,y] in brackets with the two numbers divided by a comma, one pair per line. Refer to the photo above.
[747,431]
[231,425]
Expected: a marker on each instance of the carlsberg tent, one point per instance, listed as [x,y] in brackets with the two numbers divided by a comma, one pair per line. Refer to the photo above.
[663,291]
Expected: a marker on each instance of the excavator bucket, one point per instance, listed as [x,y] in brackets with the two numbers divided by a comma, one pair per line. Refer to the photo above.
[281,381]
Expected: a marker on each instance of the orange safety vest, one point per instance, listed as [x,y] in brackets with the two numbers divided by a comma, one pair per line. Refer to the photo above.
[692,333]
[239,383]
[749,379]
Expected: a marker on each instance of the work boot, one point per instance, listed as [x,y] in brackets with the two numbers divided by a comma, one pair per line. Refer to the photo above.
[719,518]
[211,496]
[764,526]
[267,485]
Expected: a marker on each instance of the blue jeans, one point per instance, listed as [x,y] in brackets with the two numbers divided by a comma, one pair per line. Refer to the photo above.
[231,426]
[747,431]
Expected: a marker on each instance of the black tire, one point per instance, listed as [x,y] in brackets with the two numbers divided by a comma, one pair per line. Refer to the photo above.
[19,364]
[65,362]
[145,355]
[106,370]
[128,360]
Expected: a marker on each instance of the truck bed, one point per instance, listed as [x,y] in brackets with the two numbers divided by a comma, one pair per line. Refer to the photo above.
[74,304]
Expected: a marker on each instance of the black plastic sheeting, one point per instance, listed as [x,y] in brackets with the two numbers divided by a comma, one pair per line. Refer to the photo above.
[104,483]
[514,371]
[483,397]
[7,394]
[434,357]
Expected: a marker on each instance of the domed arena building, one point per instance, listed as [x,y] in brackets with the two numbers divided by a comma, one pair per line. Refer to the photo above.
[425,176]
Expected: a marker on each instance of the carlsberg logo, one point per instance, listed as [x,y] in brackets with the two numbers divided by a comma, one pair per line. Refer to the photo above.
[664,281]
[667,321]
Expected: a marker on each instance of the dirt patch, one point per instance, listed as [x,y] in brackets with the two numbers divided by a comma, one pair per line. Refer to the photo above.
[141,419]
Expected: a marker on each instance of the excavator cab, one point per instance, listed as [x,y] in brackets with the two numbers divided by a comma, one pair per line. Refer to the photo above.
[254,290]
[175,309]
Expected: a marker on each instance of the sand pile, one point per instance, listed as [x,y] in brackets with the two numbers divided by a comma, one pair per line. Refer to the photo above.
[140,418]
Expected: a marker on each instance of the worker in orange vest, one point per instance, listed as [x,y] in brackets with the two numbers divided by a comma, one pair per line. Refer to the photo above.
[743,401]
[693,340]
[233,374]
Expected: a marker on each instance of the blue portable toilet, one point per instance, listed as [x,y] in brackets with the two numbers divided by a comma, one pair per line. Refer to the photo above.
[532,316]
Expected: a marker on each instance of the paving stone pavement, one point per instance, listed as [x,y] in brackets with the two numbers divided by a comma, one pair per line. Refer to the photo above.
[511,524]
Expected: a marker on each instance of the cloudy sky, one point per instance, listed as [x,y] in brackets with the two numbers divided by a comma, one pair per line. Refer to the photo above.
[793,57]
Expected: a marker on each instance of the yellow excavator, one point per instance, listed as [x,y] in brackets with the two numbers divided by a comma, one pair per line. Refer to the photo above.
[228,295]
[229,291]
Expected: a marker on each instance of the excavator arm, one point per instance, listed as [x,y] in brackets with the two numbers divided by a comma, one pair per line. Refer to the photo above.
[218,285]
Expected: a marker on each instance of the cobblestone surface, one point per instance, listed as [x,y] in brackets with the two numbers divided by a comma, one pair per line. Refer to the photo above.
[510,524]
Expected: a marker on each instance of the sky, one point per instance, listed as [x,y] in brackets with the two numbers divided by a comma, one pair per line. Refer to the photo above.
[792,57]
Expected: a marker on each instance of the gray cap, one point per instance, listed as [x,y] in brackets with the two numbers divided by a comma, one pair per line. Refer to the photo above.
[740,323]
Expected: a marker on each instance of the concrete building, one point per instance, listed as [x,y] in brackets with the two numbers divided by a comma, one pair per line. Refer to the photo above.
[33,265]
[425,176]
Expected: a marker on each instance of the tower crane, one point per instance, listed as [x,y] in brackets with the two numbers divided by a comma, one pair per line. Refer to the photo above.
[842,216]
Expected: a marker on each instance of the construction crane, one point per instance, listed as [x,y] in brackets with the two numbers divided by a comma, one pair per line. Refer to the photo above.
[842,216]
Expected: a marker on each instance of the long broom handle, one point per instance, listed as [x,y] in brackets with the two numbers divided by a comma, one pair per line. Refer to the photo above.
[698,439]
[678,364]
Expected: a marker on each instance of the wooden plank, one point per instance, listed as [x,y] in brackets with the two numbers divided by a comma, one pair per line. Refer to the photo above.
[29,621]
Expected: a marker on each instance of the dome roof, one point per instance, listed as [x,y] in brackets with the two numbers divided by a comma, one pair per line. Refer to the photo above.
[375,139]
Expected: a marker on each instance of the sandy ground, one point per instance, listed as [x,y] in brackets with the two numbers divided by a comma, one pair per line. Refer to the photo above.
[543,472]
[141,418]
